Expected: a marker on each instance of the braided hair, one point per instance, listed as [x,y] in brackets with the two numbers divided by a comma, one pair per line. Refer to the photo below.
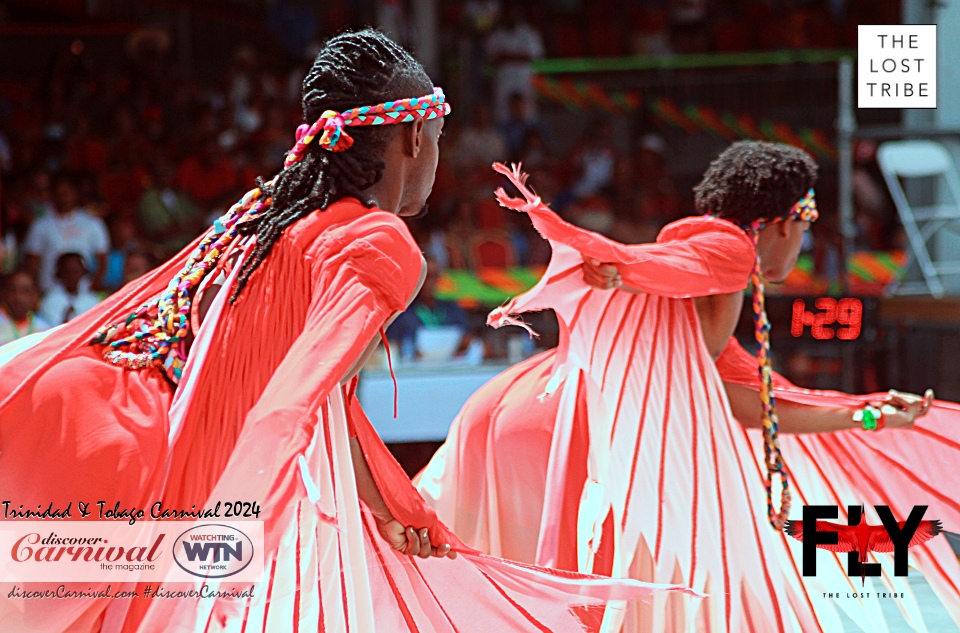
[754,183]
[352,69]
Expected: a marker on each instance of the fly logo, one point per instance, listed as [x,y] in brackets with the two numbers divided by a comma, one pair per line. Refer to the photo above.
[213,551]
[858,538]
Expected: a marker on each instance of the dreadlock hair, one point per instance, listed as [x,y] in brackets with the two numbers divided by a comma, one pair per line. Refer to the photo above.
[353,69]
[751,180]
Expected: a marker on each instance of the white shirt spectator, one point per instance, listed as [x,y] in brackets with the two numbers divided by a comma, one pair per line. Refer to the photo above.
[59,306]
[598,165]
[481,146]
[76,232]
[11,331]
[511,45]
[688,11]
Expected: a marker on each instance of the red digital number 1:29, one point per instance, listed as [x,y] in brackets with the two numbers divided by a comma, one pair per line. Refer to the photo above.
[846,312]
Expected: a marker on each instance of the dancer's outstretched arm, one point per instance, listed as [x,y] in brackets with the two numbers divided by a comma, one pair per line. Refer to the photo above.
[801,418]
[718,316]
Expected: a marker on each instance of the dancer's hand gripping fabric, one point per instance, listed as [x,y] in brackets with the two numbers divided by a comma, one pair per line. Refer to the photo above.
[600,275]
[408,541]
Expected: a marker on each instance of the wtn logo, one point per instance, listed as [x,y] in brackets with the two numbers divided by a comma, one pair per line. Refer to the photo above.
[202,551]
[858,538]
[213,551]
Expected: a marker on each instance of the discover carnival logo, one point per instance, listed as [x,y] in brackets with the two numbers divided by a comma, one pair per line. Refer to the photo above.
[119,552]
[213,551]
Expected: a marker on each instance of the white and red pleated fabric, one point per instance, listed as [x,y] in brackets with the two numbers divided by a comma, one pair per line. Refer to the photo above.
[260,414]
[617,452]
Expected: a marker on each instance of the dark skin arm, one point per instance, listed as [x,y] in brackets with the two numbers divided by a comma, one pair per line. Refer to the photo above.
[718,316]
[403,539]
[800,418]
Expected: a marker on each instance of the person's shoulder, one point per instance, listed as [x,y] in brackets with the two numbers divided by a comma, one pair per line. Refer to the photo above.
[349,225]
[705,226]
[85,216]
[43,221]
[720,241]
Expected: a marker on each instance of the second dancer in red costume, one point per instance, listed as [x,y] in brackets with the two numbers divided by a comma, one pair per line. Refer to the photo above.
[642,445]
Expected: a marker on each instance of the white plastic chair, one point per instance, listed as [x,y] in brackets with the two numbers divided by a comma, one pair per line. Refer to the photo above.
[919,159]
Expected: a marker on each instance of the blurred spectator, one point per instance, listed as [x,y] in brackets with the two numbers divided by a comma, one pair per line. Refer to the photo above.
[689,21]
[518,126]
[534,154]
[88,153]
[136,265]
[460,229]
[659,198]
[69,229]
[275,139]
[70,294]
[38,197]
[478,18]
[392,20]
[167,216]
[593,213]
[651,35]
[594,160]
[481,15]
[18,301]
[481,143]
[876,218]
[124,239]
[511,48]
[206,176]
[123,183]
[6,154]
[426,311]
[293,24]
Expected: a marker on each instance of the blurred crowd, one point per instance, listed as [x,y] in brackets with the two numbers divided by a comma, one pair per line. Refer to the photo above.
[110,167]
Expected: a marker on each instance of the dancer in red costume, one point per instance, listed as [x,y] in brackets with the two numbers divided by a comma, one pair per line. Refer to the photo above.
[236,380]
[629,450]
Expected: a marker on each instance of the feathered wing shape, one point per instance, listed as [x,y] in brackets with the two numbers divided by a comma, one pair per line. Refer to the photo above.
[925,531]
[846,540]
[643,354]
[899,468]
[261,416]
[663,457]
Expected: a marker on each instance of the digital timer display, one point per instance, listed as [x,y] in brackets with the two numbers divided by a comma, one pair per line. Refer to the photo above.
[831,318]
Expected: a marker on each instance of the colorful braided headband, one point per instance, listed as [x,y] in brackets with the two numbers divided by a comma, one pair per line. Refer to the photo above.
[805,210]
[330,126]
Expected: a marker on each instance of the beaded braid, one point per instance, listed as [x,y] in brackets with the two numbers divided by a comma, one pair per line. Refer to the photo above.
[771,424]
[805,209]
[155,334]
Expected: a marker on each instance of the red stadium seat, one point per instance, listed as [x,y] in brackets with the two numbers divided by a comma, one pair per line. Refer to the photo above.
[492,249]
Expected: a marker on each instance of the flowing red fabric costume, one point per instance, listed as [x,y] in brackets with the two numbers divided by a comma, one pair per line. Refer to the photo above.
[259,415]
[617,452]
